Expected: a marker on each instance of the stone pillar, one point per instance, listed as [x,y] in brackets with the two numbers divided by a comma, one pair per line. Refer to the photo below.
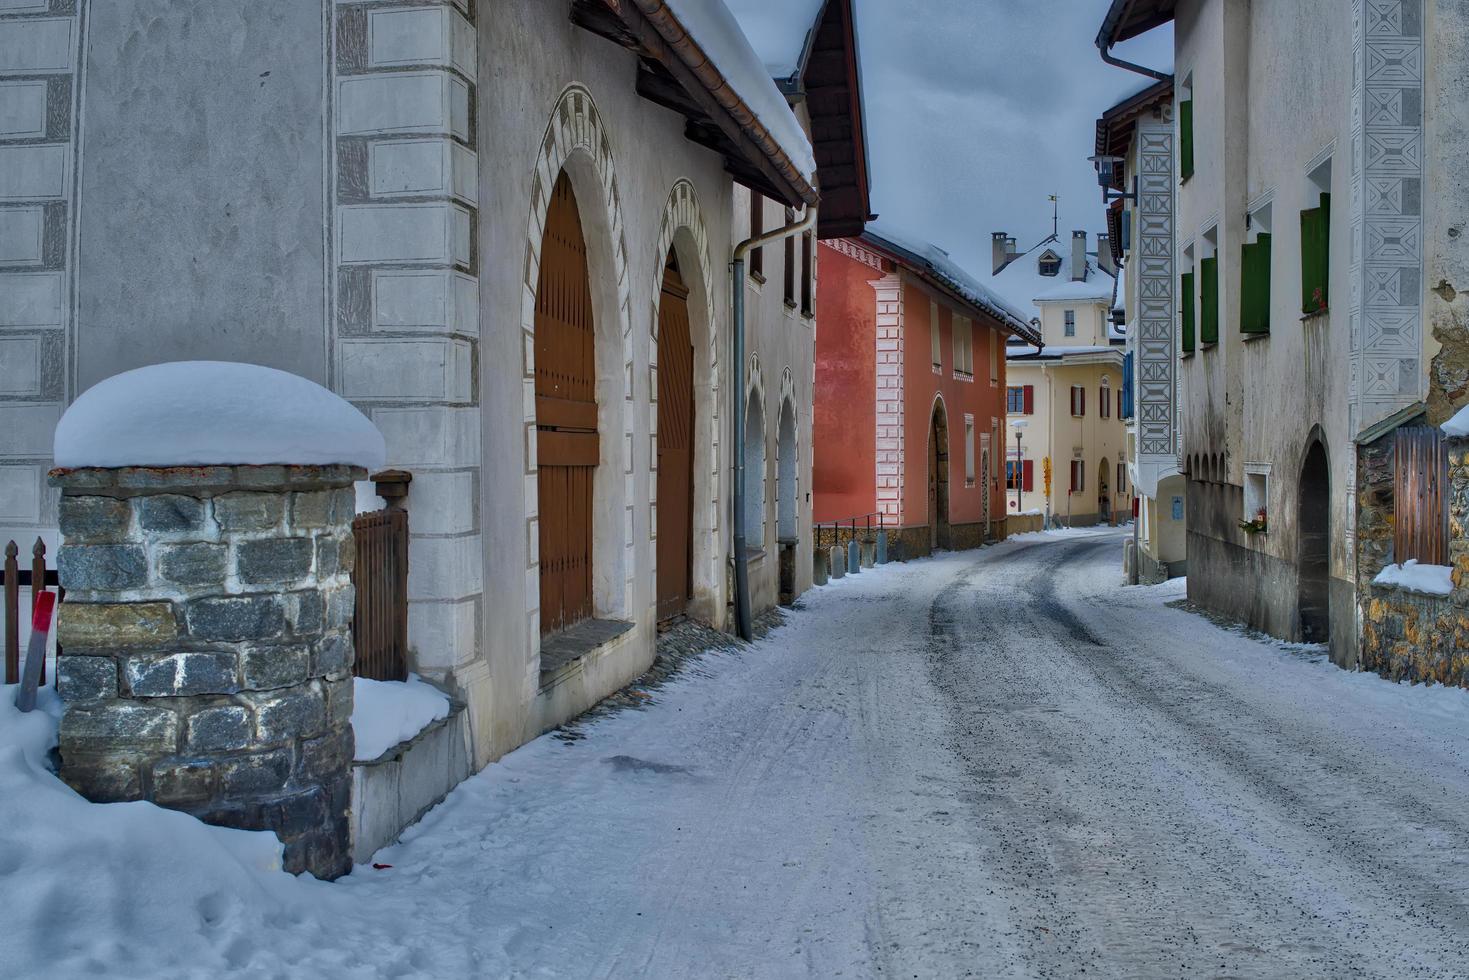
[207,638]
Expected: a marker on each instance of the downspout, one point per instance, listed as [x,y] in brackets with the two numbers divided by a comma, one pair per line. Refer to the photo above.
[737,392]
[1104,46]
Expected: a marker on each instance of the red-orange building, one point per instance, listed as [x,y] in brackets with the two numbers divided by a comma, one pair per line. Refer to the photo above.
[910,394]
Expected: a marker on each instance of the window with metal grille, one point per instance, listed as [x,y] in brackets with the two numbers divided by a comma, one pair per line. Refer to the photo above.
[1420,496]
[963,332]
[935,344]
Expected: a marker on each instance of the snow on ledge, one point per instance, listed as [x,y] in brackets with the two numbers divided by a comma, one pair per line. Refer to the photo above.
[1459,424]
[214,413]
[388,713]
[1430,579]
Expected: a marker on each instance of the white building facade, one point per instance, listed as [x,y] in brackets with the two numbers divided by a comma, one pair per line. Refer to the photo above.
[386,199]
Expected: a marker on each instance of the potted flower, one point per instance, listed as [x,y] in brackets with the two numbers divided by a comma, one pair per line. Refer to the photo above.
[1256,526]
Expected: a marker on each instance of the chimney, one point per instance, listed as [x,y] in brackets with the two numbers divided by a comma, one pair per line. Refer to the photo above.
[999,252]
[1104,254]
[1078,255]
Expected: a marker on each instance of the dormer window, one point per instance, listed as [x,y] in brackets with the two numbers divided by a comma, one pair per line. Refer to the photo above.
[1050,263]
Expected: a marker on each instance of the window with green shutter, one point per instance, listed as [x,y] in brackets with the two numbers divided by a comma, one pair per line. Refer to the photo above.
[1315,256]
[1185,139]
[1186,289]
[1209,300]
[1254,287]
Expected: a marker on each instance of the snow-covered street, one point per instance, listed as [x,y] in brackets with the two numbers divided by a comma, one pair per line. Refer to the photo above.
[992,763]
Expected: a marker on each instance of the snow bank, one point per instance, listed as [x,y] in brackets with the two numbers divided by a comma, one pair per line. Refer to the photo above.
[716,31]
[1459,424]
[201,413]
[1432,579]
[120,888]
[385,713]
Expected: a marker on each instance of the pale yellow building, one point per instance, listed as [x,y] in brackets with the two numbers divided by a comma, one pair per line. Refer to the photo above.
[1064,400]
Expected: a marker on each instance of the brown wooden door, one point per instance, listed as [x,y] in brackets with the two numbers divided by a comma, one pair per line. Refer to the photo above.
[566,415]
[675,447]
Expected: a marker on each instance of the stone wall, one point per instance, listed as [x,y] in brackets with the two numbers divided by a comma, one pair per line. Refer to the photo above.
[207,642]
[1411,635]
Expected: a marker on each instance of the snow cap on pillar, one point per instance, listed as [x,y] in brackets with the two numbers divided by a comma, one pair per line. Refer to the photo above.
[214,413]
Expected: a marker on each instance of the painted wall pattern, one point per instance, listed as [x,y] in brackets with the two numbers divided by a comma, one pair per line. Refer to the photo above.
[41,45]
[1157,356]
[403,323]
[1387,370]
[889,290]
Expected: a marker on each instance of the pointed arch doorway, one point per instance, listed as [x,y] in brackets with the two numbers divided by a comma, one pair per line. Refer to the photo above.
[938,478]
[675,445]
[567,446]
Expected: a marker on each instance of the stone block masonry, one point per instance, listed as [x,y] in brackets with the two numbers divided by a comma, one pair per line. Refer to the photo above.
[207,647]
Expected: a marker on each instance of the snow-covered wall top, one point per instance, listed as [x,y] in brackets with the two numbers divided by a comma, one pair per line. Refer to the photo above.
[214,413]
[716,31]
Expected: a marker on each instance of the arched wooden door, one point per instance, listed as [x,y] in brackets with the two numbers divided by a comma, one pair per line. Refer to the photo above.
[566,415]
[675,446]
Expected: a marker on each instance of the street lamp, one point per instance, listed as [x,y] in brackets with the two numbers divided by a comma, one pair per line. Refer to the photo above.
[1107,166]
[1018,425]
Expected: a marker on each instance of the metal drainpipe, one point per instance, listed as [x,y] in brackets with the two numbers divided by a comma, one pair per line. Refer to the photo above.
[737,284]
[1112,59]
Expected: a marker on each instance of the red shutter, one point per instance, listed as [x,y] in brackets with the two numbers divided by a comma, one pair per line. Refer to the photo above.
[1082,393]
[1030,399]
[1027,475]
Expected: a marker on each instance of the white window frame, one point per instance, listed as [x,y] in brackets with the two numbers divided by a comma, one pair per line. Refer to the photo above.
[1068,320]
[969,450]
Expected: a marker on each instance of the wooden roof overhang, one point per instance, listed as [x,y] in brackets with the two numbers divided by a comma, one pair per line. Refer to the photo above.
[1114,137]
[926,272]
[1126,19]
[674,72]
[832,87]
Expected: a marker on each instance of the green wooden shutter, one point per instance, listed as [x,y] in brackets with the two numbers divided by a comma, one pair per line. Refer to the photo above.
[1316,256]
[1254,288]
[1185,139]
[1186,287]
[1209,300]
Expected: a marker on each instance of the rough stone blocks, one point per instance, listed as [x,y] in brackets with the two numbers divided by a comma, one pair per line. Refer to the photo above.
[207,647]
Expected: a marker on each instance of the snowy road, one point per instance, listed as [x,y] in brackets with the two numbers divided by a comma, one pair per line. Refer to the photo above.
[995,763]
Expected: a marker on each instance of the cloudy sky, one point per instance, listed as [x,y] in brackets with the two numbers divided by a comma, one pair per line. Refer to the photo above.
[978,110]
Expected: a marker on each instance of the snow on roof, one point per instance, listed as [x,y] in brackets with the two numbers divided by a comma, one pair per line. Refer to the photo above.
[214,413]
[956,278]
[1021,281]
[1093,289]
[1020,351]
[723,41]
[777,31]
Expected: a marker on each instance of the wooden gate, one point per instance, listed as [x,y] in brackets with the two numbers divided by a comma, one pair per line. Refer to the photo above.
[566,415]
[675,446]
[1420,496]
[380,579]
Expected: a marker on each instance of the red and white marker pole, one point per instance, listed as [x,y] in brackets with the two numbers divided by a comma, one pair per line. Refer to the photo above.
[25,700]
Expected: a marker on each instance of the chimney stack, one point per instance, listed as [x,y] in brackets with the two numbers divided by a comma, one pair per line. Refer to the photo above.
[1002,250]
[1078,255]
[1104,254]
